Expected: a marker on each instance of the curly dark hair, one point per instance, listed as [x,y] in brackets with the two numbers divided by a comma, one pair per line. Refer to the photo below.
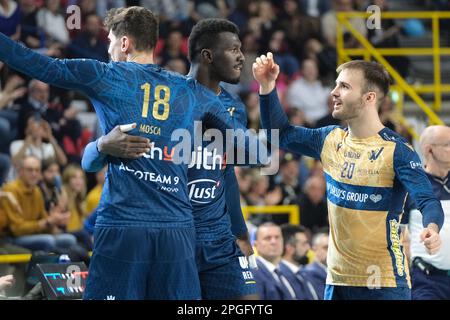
[204,34]
[136,22]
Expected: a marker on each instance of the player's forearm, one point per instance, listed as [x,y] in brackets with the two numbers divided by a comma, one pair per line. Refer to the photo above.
[68,74]
[433,215]
[272,113]
[232,199]
[93,160]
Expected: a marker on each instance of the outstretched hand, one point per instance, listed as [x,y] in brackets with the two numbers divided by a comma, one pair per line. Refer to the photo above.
[265,71]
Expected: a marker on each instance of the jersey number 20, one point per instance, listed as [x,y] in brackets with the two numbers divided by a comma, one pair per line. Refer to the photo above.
[162,96]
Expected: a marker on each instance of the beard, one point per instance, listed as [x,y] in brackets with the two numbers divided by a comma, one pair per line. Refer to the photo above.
[348,111]
[301,260]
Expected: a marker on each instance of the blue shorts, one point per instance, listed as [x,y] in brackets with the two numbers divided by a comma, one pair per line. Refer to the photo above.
[143,263]
[363,293]
[224,271]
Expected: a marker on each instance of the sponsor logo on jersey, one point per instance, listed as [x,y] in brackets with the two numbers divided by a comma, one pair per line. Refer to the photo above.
[202,158]
[231,111]
[376,198]
[395,246]
[374,154]
[163,154]
[415,165]
[352,154]
[203,190]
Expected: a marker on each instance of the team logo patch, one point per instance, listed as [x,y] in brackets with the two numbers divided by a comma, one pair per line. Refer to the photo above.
[374,154]
[376,197]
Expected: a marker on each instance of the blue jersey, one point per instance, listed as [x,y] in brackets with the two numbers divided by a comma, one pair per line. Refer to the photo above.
[367,183]
[150,191]
[213,189]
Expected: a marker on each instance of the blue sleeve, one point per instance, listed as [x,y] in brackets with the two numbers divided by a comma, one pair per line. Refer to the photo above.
[93,160]
[76,74]
[409,171]
[233,202]
[89,222]
[295,139]
[242,141]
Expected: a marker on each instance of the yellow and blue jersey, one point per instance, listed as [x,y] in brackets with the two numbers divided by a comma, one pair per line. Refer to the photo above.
[367,184]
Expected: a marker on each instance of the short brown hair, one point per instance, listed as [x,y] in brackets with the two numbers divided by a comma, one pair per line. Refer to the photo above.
[136,22]
[375,75]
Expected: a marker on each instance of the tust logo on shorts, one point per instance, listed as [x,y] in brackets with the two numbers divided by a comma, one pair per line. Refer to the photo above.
[203,190]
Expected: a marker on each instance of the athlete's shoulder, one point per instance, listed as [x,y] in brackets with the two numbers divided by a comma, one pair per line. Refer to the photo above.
[333,132]
[202,93]
[389,135]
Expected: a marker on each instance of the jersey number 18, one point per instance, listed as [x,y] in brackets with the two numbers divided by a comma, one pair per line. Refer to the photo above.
[161,96]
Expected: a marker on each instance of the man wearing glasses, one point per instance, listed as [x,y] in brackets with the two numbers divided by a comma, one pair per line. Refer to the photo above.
[430,274]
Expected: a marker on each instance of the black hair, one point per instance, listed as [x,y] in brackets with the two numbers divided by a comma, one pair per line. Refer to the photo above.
[204,34]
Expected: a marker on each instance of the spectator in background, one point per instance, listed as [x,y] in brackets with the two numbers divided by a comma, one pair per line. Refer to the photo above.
[105,5]
[91,42]
[308,94]
[5,164]
[313,206]
[36,133]
[8,118]
[243,11]
[175,47]
[6,247]
[50,183]
[289,184]
[172,10]
[93,197]
[32,227]
[37,104]
[298,26]
[316,272]
[279,47]
[314,8]
[31,35]
[429,273]
[272,285]
[243,177]
[265,23]
[52,22]
[325,57]
[74,189]
[176,65]
[251,101]
[386,112]
[259,186]
[202,9]
[10,19]
[250,48]
[388,37]
[296,247]
[297,117]
[329,23]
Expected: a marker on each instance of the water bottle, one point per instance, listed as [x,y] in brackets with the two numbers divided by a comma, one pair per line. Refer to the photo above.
[64,258]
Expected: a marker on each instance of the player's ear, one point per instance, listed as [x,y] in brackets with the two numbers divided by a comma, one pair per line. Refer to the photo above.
[207,55]
[125,44]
